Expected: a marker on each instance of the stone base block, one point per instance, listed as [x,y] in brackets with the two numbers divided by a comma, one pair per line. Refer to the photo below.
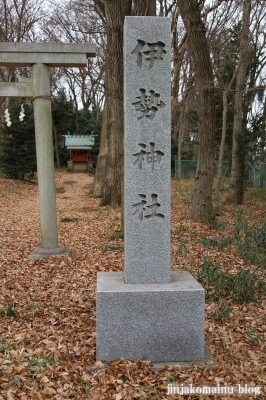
[39,252]
[70,166]
[206,362]
[159,322]
[80,166]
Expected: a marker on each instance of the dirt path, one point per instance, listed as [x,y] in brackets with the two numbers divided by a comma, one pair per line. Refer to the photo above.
[49,351]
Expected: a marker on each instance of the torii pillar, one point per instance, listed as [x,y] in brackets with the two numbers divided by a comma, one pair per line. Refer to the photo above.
[41,56]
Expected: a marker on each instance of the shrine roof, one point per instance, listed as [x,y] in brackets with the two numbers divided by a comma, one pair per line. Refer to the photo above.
[79,141]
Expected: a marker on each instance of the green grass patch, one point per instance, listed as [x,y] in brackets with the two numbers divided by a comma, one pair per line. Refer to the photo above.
[255,194]
[9,310]
[70,219]
[32,305]
[39,363]
[106,247]
[221,313]
[253,336]
[216,242]
[251,241]
[6,346]
[244,287]
[116,235]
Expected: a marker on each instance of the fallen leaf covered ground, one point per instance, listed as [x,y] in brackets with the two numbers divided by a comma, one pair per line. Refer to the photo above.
[47,307]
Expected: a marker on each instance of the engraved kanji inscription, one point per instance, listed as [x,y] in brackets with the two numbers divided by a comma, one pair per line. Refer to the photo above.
[141,208]
[151,157]
[148,104]
[155,52]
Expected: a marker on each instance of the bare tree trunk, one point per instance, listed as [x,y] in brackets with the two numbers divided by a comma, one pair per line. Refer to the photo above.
[115,11]
[177,62]
[180,140]
[224,126]
[236,190]
[264,116]
[221,154]
[201,209]
[97,188]
[72,88]
[145,7]
[57,152]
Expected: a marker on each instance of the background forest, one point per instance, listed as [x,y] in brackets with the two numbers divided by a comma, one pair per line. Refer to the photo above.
[218,88]
[47,306]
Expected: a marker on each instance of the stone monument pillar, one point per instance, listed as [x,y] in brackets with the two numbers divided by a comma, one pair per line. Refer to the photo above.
[147,113]
[148,312]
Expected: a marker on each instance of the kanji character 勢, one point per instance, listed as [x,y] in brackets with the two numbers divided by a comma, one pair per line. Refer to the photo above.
[148,104]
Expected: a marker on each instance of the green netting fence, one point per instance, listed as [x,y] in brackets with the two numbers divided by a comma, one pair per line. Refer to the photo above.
[255,173]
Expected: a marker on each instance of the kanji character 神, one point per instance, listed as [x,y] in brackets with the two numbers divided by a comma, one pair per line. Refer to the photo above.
[151,157]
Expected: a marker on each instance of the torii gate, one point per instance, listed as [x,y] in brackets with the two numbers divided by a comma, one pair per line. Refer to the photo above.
[41,56]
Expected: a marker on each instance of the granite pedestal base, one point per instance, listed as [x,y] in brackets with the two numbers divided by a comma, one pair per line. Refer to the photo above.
[39,252]
[159,322]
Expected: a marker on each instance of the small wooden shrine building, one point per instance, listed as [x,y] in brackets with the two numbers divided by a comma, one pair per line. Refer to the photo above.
[80,152]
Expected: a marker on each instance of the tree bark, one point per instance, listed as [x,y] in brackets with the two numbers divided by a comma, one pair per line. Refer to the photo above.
[145,7]
[181,132]
[57,152]
[97,188]
[115,12]
[177,123]
[236,189]
[221,155]
[202,208]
